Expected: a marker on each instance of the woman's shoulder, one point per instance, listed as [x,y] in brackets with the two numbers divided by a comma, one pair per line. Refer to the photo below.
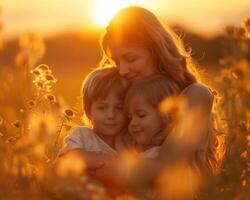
[198,92]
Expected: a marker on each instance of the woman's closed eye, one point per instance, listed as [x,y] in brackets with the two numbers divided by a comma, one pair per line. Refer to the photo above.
[131,59]
[119,107]
[141,115]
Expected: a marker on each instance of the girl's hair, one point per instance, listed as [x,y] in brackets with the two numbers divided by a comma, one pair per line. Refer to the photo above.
[98,84]
[139,26]
[154,89]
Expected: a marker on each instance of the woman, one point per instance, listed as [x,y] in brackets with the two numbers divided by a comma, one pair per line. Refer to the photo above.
[140,46]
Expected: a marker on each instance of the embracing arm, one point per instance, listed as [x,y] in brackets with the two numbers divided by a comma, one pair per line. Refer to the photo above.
[192,129]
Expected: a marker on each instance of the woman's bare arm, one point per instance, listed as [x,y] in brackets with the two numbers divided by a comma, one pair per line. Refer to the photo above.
[192,129]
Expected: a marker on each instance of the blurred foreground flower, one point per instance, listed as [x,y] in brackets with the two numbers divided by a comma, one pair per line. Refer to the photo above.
[71,165]
[16,124]
[177,181]
[246,25]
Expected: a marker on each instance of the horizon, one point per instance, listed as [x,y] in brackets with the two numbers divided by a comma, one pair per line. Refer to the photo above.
[84,16]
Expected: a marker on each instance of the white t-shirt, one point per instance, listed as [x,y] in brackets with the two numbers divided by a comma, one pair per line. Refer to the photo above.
[84,138]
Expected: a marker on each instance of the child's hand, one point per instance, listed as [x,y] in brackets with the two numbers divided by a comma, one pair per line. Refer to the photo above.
[95,160]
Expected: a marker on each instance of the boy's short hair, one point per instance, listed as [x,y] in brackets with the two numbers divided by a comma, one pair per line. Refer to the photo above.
[98,84]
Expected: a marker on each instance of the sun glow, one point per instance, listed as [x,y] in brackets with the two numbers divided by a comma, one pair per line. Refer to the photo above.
[105,10]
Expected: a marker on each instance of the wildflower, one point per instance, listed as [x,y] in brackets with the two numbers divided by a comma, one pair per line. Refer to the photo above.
[16,124]
[246,25]
[35,72]
[43,67]
[39,84]
[10,140]
[237,73]
[230,31]
[31,103]
[50,97]
[244,182]
[50,77]
[65,167]
[215,93]
[69,113]
[243,154]
[240,33]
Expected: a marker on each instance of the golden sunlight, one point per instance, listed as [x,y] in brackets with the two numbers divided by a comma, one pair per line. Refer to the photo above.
[105,10]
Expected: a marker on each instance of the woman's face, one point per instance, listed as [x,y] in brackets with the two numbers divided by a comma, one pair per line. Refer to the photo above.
[134,62]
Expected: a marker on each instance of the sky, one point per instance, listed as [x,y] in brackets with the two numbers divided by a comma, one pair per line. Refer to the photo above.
[49,17]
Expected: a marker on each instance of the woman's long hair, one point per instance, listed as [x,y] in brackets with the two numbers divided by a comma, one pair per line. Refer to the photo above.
[136,25]
[139,26]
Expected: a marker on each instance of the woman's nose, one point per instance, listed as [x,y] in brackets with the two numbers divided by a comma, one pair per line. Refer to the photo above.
[133,122]
[123,70]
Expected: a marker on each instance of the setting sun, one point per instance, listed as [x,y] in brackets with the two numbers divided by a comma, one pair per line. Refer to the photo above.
[104,10]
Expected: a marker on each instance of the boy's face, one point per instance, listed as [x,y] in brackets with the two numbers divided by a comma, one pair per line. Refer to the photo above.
[145,122]
[107,115]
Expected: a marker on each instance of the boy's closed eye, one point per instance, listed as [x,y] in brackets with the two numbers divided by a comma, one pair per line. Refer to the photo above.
[119,107]
[101,106]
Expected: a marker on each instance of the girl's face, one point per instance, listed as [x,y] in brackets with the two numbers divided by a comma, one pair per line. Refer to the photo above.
[145,122]
[107,115]
[134,62]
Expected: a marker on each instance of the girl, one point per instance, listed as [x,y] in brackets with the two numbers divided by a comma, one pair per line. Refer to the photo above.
[146,125]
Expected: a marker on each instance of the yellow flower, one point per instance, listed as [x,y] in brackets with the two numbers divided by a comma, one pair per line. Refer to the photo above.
[230,31]
[31,103]
[69,113]
[246,25]
[16,124]
[35,72]
[50,77]
[51,98]
[240,33]
[11,139]
[43,67]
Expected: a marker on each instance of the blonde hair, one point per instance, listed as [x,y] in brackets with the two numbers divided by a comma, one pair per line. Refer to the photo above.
[154,89]
[137,25]
[98,84]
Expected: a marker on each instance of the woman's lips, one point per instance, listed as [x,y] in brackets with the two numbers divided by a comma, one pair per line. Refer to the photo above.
[132,78]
